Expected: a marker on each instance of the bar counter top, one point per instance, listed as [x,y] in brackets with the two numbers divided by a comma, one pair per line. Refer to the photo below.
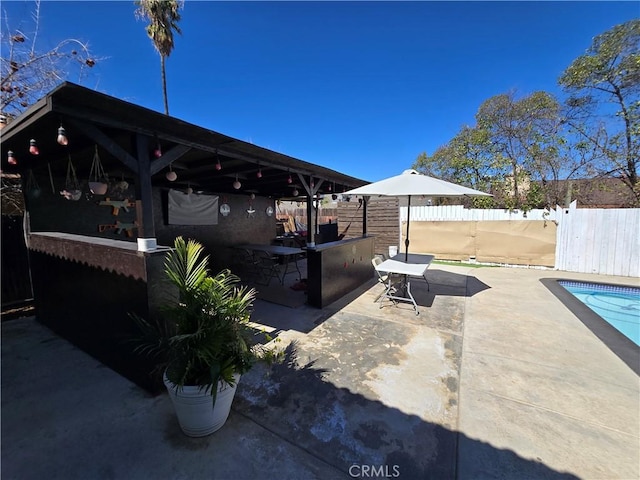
[117,256]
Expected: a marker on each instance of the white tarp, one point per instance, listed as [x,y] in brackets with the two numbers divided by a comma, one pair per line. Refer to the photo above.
[192,209]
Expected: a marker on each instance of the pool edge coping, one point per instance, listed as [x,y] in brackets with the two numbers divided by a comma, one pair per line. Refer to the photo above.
[623,347]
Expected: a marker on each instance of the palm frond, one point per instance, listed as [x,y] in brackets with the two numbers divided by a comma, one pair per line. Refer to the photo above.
[204,336]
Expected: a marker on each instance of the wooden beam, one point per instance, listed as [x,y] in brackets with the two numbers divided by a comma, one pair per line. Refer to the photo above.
[92,117]
[95,134]
[307,186]
[32,115]
[169,157]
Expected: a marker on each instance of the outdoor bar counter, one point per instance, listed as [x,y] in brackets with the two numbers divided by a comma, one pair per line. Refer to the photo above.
[337,268]
[85,289]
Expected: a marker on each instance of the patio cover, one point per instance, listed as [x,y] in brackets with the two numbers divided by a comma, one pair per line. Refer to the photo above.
[140,146]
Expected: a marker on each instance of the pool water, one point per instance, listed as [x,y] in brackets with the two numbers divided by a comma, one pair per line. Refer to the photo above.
[617,305]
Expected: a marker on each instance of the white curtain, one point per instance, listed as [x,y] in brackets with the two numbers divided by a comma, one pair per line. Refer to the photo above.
[192,209]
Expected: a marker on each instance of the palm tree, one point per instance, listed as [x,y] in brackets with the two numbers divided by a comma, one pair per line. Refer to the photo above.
[163,17]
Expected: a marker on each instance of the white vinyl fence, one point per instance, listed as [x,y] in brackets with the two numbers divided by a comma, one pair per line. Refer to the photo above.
[447,213]
[598,240]
[588,240]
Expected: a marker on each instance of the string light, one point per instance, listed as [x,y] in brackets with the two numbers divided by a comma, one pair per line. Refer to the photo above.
[33,147]
[218,164]
[62,136]
[171,175]
[237,184]
[11,159]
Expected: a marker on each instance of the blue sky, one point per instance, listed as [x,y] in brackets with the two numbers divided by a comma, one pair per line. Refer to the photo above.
[359,87]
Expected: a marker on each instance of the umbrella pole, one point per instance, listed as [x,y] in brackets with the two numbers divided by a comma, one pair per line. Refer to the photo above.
[406,240]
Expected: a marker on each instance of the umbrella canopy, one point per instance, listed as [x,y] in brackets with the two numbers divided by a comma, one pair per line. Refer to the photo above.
[410,183]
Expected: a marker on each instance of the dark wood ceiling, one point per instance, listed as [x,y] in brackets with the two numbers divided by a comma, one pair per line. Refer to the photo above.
[116,127]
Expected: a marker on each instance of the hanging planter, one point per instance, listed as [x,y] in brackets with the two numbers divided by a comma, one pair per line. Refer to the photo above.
[71,186]
[98,179]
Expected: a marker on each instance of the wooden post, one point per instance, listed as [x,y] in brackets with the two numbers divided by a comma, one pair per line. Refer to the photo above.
[311,188]
[144,196]
[311,238]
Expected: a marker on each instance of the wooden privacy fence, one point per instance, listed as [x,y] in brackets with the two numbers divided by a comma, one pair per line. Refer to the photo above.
[382,221]
[299,215]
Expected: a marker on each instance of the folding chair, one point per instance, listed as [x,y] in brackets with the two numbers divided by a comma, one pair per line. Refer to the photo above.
[268,267]
[245,264]
[389,281]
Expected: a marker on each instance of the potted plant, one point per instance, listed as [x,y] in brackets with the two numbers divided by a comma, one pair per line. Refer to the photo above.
[203,338]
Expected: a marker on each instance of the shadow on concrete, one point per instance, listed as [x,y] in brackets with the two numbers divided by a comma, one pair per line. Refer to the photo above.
[66,416]
[305,318]
[441,284]
[350,432]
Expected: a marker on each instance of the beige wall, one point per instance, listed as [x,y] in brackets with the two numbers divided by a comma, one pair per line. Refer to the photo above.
[512,242]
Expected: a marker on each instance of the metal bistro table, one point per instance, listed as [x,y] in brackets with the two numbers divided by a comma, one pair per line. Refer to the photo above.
[286,253]
[416,265]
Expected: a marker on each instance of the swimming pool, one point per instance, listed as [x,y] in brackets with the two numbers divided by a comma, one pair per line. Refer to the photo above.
[611,312]
[618,305]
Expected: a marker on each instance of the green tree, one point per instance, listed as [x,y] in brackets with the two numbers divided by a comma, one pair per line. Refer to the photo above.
[517,151]
[467,159]
[603,108]
[526,133]
[163,17]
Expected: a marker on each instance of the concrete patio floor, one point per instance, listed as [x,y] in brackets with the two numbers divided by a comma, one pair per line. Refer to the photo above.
[495,378]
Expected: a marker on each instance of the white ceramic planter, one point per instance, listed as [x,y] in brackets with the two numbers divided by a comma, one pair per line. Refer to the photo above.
[196,413]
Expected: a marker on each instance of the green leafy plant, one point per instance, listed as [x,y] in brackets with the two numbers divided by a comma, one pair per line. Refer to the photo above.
[203,335]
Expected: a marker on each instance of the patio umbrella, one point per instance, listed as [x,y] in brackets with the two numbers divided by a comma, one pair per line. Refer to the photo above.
[411,183]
